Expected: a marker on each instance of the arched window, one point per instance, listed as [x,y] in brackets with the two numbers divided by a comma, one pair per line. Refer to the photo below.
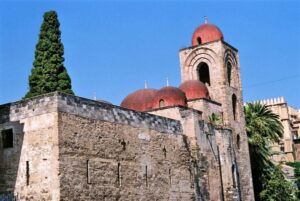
[229,69]
[234,106]
[161,103]
[199,40]
[203,73]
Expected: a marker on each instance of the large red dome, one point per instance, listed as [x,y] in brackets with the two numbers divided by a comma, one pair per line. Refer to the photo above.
[169,96]
[206,33]
[194,89]
[140,100]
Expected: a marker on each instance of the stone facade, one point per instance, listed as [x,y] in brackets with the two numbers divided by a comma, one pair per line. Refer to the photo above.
[288,149]
[71,148]
[224,84]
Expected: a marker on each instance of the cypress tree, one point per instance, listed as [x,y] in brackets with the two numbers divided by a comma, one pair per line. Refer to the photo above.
[48,73]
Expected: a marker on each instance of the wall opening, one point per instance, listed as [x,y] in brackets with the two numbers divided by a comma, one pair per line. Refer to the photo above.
[234,106]
[199,41]
[88,173]
[7,138]
[229,69]
[170,177]
[27,173]
[203,73]
[119,174]
[161,103]
[233,176]
[146,175]
[165,152]
[238,141]
[123,143]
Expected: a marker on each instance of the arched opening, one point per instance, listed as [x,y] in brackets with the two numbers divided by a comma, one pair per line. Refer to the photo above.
[234,106]
[161,103]
[233,176]
[229,69]
[203,73]
[199,41]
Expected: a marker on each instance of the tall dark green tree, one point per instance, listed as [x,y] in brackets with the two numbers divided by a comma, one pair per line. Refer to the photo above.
[49,73]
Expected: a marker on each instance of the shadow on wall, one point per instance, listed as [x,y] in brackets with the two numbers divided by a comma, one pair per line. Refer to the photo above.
[11,142]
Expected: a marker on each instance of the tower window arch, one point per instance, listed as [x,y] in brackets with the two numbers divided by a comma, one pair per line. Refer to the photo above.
[234,100]
[233,176]
[229,71]
[199,41]
[161,103]
[203,73]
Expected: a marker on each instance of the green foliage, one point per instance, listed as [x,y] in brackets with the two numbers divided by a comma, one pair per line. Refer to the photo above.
[296,165]
[276,187]
[264,128]
[48,73]
[214,119]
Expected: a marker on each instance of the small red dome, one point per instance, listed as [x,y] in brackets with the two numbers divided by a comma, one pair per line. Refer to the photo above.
[140,100]
[194,89]
[169,96]
[206,33]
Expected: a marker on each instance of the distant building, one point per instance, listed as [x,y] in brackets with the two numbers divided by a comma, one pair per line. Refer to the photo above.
[288,149]
[159,145]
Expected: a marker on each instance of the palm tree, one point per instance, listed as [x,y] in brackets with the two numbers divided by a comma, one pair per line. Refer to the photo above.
[263,128]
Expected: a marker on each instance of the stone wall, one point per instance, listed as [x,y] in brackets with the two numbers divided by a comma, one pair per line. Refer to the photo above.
[123,162]
[28,169]
[217,55]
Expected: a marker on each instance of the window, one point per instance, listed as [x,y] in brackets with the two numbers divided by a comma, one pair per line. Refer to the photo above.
[234,106]
[238,141]
[199,41]
[229,69]
[7,138]
[161,103]
[27,173]
[203,73]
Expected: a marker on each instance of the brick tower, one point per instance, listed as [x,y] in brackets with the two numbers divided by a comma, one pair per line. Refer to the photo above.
[216,63]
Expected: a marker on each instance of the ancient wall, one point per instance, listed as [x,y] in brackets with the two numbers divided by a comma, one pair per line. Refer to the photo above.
[217,55]
[207,107]
[28,168]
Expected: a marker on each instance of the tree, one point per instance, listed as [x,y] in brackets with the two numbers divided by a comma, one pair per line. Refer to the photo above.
[263,128]
[48,73]
[214,119]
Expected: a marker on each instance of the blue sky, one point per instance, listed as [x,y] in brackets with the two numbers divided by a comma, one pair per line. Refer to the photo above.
[111,47]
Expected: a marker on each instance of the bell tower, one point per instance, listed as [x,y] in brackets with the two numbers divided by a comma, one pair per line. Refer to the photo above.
[216,63]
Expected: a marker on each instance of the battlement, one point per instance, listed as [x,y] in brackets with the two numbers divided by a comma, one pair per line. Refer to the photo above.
[272,101]
[87,108]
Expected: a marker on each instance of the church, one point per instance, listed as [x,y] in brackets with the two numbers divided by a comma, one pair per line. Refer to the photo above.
[175,143]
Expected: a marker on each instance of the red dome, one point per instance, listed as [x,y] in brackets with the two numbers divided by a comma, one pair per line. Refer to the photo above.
[169,96]
[206,33]
[194,89]
[140,100]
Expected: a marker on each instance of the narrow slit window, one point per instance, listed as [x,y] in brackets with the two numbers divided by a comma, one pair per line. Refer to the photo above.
[119,175]
[146,175]
[170,177]
[234,106]
[199,41]
[229,69]
[238,141]
[27,173]
[88,173]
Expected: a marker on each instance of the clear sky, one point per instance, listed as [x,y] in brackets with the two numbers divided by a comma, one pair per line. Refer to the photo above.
[111,47]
